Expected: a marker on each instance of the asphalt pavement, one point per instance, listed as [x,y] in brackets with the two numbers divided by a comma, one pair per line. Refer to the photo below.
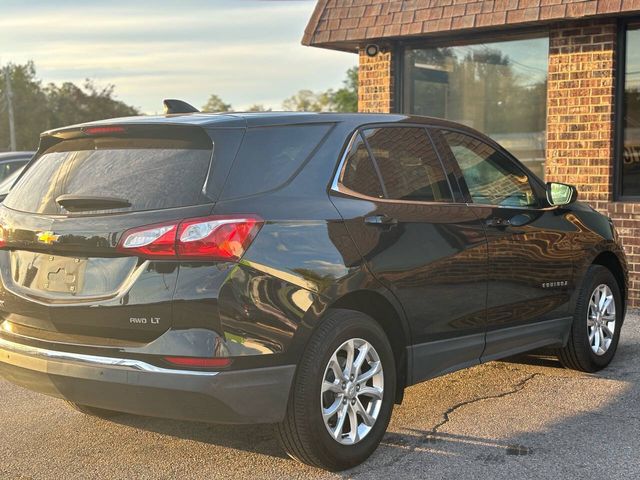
[525,418]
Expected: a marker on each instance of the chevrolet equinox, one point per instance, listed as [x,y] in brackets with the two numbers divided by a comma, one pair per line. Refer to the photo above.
[298,269]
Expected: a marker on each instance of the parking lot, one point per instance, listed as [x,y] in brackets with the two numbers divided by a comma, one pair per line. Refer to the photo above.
[522,418]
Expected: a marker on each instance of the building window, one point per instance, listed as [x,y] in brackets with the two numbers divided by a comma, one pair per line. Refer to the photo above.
[498,88]
[631,120]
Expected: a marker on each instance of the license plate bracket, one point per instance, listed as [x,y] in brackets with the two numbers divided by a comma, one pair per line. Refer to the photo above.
[61,274]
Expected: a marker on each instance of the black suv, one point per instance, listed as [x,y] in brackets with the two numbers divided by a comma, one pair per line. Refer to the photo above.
[291,268]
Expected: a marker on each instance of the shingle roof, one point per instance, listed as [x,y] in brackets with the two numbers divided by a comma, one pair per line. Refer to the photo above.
[344,24]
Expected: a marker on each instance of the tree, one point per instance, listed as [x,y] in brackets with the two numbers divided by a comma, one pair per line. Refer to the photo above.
[344,99]
[306,101]
[256,107]
[69,104]
[29,106]
[215,104]
[38,108]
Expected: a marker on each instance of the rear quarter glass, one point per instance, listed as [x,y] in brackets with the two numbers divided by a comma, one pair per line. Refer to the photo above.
[152,173]
[270,156]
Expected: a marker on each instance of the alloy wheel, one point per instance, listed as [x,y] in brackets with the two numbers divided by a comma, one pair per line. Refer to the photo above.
[352,391]
[601,319]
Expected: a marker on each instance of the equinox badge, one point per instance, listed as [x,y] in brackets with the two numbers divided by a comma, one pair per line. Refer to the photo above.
[47,237]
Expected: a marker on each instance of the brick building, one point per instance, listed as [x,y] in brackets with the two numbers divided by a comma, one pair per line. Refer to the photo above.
[557,82]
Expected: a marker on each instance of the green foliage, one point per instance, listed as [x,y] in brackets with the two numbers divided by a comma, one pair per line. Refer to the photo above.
[37,108]
[215,104]
[344,99]
[258,108]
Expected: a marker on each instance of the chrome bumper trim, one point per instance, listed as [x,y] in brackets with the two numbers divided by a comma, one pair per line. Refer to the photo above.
[35,358]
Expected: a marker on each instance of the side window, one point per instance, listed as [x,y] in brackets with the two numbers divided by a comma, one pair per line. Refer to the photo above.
[492,178]
[409,166]
[359,174]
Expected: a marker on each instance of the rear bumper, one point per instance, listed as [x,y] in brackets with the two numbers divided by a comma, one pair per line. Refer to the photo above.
[243,396]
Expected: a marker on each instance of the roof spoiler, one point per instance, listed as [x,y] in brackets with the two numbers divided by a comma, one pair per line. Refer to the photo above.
[177,106]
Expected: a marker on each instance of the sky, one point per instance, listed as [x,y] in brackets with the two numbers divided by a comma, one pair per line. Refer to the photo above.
[245,51]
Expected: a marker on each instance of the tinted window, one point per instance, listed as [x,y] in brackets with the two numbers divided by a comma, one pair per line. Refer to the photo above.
[359,173]
[491,178]
[631,123]
[149,173]
[269,156]
[408,164]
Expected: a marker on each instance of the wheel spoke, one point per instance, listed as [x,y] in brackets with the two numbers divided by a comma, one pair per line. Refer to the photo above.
[368,419]
[607,332]
[374,392]
[375,368]
[337,430]
[348,364]
[331,386]
[362,355]
[606,302]
[334,365]
[328,413]
[353,420]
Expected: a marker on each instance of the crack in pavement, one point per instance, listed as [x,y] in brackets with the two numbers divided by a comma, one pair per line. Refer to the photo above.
[447,417]
[517,387]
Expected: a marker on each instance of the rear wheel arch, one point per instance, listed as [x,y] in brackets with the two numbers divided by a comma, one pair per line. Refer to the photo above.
[387,316]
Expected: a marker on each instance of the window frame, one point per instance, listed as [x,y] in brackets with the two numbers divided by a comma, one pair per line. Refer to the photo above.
[619,108]
[537,185]
[338,187]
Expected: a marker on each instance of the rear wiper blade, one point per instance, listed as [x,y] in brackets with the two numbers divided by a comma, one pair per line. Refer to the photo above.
[75,203]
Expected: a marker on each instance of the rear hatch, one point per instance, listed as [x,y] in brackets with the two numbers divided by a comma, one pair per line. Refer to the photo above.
[64,275]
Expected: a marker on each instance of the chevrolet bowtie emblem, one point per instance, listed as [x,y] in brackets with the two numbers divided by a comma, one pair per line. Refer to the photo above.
[47,237]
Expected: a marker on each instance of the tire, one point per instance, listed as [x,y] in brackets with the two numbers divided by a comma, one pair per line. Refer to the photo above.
[579,352]
[92,411]
[303,434]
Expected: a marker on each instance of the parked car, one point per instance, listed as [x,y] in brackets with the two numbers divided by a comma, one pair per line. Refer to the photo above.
[291,268]
[12,161]
[7,183]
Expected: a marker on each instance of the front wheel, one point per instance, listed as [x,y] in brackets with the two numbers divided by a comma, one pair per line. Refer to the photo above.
[343,393]
[597,321]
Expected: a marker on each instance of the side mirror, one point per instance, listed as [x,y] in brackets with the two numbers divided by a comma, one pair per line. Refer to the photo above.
[561,194]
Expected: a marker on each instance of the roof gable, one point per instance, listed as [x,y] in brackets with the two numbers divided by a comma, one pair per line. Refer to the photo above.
[345,24]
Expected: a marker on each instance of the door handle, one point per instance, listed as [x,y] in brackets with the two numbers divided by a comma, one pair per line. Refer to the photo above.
[380,220]
[496,222]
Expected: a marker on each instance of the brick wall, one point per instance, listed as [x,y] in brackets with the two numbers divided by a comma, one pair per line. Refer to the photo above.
[580,109]
[375,89]
[580,127]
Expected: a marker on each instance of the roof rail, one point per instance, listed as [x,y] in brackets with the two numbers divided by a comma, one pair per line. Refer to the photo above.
[172,105]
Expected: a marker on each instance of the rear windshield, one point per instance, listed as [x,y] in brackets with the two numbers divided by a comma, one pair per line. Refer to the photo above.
[270,156]
[149,173]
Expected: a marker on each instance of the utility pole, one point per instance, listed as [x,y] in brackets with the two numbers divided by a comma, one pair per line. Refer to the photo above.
[9,97]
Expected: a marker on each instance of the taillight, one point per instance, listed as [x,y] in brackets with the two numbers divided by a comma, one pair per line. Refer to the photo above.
[150,241]
[205,238]
[221,238]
